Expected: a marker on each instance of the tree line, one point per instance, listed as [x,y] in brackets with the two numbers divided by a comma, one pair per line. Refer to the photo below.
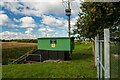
[21,40]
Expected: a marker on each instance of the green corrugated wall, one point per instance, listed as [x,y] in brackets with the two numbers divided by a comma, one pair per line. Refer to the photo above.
[61,44]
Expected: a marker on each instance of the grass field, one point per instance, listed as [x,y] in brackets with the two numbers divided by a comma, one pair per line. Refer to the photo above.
[81,66]
[13,50]
[115,59]
[6,45]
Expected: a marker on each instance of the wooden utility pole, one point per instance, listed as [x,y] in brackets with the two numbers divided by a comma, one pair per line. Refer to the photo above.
[68,13]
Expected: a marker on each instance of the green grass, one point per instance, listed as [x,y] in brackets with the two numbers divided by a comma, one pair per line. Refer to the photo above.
[115,48]
[81,66]
[115,61]
[14,53]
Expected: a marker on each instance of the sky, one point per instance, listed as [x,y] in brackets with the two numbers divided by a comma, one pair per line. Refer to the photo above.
[31,19]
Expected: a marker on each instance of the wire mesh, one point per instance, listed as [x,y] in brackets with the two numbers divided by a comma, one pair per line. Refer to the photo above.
[103,55]
[115,59]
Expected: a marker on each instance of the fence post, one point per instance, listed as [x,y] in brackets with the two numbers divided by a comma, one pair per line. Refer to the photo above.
[0,61]
[95,50]
[97,55]
[101,59]
[107,53]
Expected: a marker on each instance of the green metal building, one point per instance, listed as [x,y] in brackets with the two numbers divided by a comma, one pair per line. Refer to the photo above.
[55,48]
[56,43]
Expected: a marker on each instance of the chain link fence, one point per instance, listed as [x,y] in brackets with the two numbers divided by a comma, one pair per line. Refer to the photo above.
[115,58]
[107,50]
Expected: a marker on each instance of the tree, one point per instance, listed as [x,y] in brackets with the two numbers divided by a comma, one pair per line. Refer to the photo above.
[97,16]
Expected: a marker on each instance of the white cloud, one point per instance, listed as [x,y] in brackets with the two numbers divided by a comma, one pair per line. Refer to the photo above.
[4,19]
[20,35]
[27,22]
[14,19]
[2,12]
[74,20]
[31,1]
[60,33]
[61,0]
[34,8]
[29,31]
[60,25]
[50,30]
[40,7]
[45,29]
[12,25]
[16,35]
[52,21]
[42,29]
[58,22]
[43,8]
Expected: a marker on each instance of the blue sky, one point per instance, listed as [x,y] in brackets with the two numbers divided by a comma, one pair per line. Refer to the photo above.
[29,19]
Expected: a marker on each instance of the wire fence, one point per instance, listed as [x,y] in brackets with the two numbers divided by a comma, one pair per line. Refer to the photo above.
[102,55]
[107,55]
[115,59]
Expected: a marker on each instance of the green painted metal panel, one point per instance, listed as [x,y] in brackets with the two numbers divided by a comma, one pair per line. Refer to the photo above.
[56,44]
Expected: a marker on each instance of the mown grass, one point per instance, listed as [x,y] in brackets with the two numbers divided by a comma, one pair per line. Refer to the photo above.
[81,66]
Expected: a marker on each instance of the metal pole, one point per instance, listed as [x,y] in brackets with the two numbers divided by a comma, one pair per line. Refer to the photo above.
[40,57]
[69,19]
[97,55]
[96,51]
[68,26]
[0,61]
[107,53]
[101,60]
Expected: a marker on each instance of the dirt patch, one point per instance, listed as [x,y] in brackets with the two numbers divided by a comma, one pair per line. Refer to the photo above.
[116,56]
[56,61]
